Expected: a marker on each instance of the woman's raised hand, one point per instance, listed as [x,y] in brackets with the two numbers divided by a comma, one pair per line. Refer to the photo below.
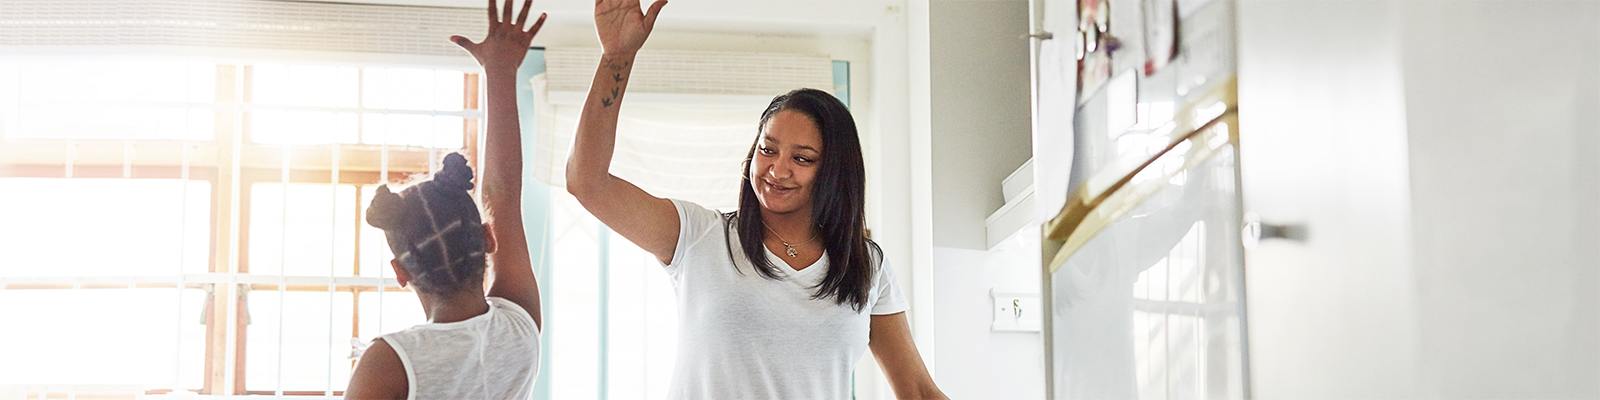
[623,26]
[507,43]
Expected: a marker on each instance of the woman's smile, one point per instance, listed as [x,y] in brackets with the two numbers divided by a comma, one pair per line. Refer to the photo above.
[776,191]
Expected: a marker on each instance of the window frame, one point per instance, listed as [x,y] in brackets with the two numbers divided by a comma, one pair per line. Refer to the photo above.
[231,163]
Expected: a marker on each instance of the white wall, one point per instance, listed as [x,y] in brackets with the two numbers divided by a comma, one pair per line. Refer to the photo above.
[1505,172]
[974,362]
[970,129]
[980,112]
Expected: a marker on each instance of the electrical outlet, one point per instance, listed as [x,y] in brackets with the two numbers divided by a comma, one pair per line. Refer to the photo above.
[1016,312]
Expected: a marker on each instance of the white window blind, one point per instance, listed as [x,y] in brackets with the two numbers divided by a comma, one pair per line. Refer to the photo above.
[251,24]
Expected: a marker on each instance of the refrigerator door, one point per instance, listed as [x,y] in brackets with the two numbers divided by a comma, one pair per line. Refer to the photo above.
[1143,260]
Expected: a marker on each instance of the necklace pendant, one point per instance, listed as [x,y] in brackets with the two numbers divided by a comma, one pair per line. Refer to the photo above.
[790,249]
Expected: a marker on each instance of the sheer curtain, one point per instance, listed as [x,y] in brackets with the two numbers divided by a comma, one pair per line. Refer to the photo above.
[685,151]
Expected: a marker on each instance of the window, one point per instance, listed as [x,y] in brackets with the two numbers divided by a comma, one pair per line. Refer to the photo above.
[203,221]
[610,311]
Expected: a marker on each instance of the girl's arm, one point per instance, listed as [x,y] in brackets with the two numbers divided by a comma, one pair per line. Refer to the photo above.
[645,220]
[501,53]
[379,375]
[890,341]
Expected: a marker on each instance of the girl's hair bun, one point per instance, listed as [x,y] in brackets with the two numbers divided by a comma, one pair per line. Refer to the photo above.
[421,225]
[387,210]
[455,174]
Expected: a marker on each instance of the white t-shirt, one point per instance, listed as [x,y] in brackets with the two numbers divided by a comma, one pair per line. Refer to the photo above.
[491,356]
[743,336]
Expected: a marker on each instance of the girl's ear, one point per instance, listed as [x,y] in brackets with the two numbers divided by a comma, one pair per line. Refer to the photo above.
[489,243]
[400,273]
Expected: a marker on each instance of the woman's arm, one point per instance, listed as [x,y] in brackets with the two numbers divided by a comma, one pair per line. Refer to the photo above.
[890,341]
[645,220]
[501,53]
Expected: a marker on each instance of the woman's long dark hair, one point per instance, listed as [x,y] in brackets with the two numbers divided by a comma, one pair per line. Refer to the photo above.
[838,201]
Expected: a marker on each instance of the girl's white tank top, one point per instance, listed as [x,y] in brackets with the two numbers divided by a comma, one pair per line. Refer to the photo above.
[490,356]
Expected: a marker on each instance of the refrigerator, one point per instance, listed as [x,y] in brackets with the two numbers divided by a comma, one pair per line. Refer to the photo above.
[1136,159]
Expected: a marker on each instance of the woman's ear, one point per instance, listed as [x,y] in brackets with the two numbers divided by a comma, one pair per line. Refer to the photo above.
[489,243]
[400,273]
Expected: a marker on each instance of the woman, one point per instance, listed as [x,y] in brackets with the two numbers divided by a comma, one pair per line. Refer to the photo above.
[780,298]
[476,344]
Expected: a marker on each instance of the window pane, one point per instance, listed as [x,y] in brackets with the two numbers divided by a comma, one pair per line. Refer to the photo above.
[416,130]
[392,312]
[302,127]
[412,89]
[448,132]
[407,129]
[104,227]
[303,85]
[268,84]
[201,82]
[108,98]
[108,79]
[317,223]
[315,342]
[374,92]
[449,90]
[10,81]
[574,260]
[409,89]
[375,253]
[317,86]
[643,326]
[102,121]
[103,337]
[185,123]
[349,81]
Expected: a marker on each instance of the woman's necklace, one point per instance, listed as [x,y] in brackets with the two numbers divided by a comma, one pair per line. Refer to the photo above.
[788,248]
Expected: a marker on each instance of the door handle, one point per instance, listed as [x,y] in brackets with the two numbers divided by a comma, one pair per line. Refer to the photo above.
[1255,230]
[1295,232]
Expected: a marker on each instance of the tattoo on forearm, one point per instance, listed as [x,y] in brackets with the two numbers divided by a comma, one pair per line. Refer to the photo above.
[616,68]
[616,91]
[615,65]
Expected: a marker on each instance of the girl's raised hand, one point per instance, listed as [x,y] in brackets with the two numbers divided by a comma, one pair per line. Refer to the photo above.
[623,26]
[507,43]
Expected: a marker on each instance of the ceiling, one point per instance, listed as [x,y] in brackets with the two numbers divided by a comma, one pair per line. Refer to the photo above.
[759,17]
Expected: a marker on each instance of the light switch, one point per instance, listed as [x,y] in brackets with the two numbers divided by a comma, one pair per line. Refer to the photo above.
[1016,312]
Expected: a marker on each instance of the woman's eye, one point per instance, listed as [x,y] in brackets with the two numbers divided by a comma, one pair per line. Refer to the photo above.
[803,159]
[765,150]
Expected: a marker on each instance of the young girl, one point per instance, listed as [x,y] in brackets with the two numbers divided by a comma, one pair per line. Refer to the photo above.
[476,344]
